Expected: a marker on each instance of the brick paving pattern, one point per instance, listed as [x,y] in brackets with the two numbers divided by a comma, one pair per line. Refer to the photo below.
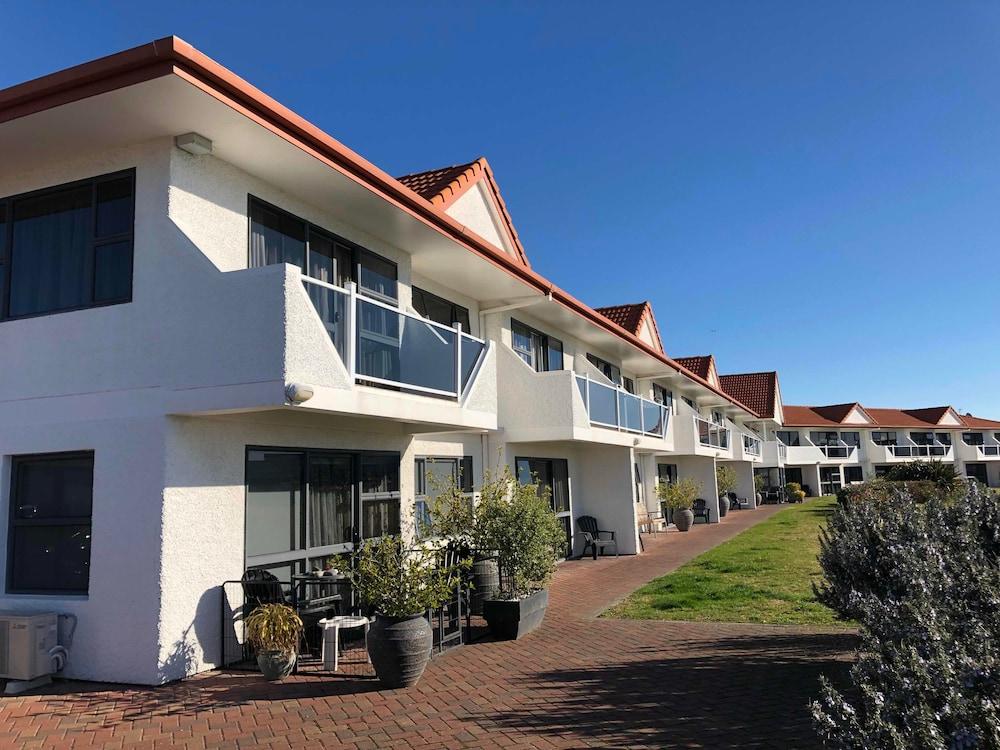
[578,682]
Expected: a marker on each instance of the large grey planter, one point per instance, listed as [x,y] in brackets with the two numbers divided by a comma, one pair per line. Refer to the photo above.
[485,582]
[723,506]
[276,665]
[683,519]
[514,619]
[399,648]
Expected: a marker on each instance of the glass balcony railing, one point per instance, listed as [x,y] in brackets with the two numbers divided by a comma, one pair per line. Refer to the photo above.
[751,445]
[989,450]
[836,451]
[918,451]
[385,346]
[618,409]
[711,434]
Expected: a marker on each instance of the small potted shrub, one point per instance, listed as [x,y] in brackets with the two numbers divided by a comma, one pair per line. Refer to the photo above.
[725,481]
[516,522]
[794,493]
[759,483]
[274,630]
[399,585]
[679,496]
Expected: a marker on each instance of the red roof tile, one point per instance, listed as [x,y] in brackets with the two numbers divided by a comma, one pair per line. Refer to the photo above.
[631,317]
[699,365]
[818,416]
[978,423]
[758,390]
[445,185]
[927,418]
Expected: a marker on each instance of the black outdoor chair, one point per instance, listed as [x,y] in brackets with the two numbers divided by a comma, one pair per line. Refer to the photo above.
[700,509]
[734,502]
[592,536]
[262,587]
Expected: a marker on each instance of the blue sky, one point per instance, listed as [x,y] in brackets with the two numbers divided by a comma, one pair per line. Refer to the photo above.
[807,187]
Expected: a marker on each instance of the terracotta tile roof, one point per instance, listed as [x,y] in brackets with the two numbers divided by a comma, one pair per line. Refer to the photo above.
[927,418]
[818,416]
[979,423]
[631,317]
[758,390]
[699,365]
[445,185]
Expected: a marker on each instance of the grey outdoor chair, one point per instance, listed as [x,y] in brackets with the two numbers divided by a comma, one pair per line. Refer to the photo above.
[700,509]
[592,536]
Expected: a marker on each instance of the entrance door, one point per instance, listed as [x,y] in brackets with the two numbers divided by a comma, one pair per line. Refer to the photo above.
[334,506]
[552,474]
[666,474]
[793,474]
[829,479]
[977,471]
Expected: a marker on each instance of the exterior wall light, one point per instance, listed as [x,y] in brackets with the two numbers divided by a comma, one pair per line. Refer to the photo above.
[193,143]
[298,392]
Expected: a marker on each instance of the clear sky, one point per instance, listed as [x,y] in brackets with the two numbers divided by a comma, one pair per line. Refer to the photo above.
[801,186]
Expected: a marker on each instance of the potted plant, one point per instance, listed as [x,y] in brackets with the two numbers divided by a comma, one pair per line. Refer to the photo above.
[274,630]
[679,496]
[794,493]
[517,523]
[759,483]
[399,585]
[725,481]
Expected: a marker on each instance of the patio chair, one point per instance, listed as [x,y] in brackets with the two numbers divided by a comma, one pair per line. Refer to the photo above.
[700,509]
[262,587]
[592,536]
[734,503]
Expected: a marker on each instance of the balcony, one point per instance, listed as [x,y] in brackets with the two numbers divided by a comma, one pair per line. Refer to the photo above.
[909,452]
[775,453]
[385,346]
[617,409]
[752,448]
[977,451]
[810,453]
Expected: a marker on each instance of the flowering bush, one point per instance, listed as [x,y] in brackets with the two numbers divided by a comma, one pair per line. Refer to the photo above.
[923,580]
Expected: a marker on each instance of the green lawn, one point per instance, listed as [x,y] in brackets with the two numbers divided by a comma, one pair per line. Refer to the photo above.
[763,575]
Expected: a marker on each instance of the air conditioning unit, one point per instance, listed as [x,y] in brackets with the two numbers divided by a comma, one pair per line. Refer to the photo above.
[26,640]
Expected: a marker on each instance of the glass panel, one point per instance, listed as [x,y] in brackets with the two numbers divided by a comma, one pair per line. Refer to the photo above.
[54,488]
[113,271]
[630,410]
[380,516]
[332,308]
[404,350]
[377,275]
[329,261]
[114,207]
[581,383]
[471,352]
[602,404]
[435,308]
[555,354]
[560,485]
[380,474]
[331,492]
[274,502]
[49,250]
[652,417]
[276,237]
[51,558]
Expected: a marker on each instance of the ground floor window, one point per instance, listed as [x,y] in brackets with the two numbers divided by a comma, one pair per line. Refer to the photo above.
[51,500]
[432,475]
[829,480]
[666,474]
[552,474]
[793,474]
[978,472]
[305,506]
[853,474]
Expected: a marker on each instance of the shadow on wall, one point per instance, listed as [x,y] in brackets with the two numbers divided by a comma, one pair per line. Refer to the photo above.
[735,692]
[184,658]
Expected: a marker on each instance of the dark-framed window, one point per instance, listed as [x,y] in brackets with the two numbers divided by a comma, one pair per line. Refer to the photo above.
[690,403]
[51,502]
[662,396]
[431,473]
[944,438]
[789,437]
[439,309]
[611,371]
[922,438]
[541,352]
[851,438]
[277,236]
[551,474]
[853,474]
[884,438]
[972,438]
[881,470]
[67,247]
[304,506]
[824,438]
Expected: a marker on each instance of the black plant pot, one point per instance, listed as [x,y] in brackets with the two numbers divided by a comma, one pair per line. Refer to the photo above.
[511,620]
[485,582]
[400,648]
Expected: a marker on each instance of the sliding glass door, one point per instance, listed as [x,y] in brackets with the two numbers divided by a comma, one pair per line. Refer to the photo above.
[552,474]
[305,506]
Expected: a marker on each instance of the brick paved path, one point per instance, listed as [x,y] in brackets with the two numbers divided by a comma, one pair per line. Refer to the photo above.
[578,682]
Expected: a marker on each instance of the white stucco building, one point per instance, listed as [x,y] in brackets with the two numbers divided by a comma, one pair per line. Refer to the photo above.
[239,345]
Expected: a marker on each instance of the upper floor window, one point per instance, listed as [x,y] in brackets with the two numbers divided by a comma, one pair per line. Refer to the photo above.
[789,437]
[851,438]
[922,438]
[439,309]
[50,510]
[717,417]
[690,403]
[824,438]
[610,371]
[972,438]
[884,438]
[944,438]
[277,236]
[662,396]
[628,384]
[540,351]
[67,247]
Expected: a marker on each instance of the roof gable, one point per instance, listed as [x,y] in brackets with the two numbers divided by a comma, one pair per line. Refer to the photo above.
[469,194]
[702,365]
[758,390]
[636,318]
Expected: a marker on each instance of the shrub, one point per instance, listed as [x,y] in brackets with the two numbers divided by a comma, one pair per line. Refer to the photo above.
[759,482]
[923,579]
[883,490]
[941,474]
[725,479]
[398,582]
[516,521]
[679,495]
[792,490]
[274,627]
